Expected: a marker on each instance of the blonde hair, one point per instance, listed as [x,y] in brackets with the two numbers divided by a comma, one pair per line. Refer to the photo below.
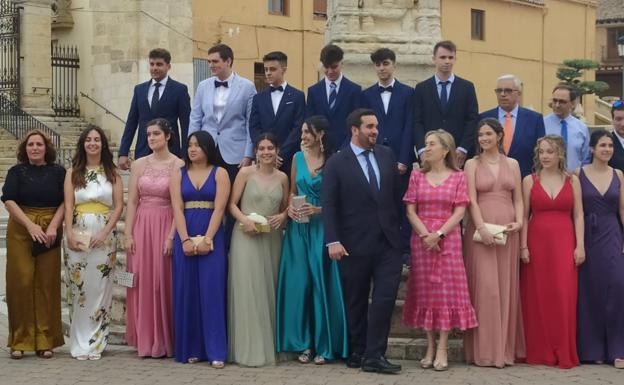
[555,141]
[447,141]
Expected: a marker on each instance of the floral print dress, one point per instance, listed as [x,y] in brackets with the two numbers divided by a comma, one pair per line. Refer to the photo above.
[89,273]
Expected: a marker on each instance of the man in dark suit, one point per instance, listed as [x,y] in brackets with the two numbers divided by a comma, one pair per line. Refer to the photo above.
[334,96]
[361,206]
[523,127]
[278,109]
[160,97]
[617,114]
[393,104]
[446,101]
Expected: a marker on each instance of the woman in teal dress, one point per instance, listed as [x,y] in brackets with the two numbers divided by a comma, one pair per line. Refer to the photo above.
[310,310]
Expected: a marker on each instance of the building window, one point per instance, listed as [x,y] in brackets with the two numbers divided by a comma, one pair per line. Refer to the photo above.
[477,24]
[259,78]
[613,34]
[201,71]
[278,7]
[320,9]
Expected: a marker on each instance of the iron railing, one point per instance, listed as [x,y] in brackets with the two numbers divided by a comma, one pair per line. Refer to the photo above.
[9,51]
[18,122]
[108,112]
[65,65]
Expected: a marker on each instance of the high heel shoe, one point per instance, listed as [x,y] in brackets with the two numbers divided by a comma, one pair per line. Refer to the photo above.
[426,363]
[441,365]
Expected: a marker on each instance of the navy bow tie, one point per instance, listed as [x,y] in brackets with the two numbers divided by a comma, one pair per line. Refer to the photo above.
[219,84]
[280,88]
[382,89]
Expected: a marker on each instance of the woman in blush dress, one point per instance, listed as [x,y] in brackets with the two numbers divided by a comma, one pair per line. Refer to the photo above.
[437,295]
[493,271]
[149,241]
[93,205]
[255,255]
[199,194]
[600,315]
[552,247]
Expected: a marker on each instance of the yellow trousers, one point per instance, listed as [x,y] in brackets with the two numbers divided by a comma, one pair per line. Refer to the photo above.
[33,287]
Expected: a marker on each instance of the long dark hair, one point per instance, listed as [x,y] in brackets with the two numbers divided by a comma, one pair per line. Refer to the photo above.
[317,125]
[498,129]
[79,162]
[207,145]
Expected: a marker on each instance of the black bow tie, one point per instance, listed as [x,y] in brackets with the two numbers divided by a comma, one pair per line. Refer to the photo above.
[382,89]
[219,84]
[280,88]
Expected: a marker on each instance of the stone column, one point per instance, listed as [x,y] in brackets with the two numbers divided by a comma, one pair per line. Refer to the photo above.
[36,65]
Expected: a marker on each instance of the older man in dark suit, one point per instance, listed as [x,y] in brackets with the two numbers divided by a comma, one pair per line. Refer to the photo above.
[361,208]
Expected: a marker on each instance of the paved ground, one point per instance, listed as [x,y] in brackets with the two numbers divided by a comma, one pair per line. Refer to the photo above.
[120,366]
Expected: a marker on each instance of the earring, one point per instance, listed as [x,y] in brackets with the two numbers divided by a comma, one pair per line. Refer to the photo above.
[322,147]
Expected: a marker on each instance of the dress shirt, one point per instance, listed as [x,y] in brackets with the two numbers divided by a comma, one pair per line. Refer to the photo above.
[385,96]
[328,87]
[161,89]
[619,137]
[220,98]
[276,97]
[514,116]
[450,80]
[577,151]
[359,154]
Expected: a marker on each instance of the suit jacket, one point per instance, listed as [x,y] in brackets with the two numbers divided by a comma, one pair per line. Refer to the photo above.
[174,104]
[351,213]
[529,128]
[347,100]
[231,133]
[285,125]
[395,126]
[617,160]
[459,118]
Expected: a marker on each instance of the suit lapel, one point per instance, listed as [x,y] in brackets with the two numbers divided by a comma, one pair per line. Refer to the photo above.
[269,102]
[210,95]
[433,91]
[325,99]
[143,97]
[341,94]
[355,164]
[285,98]
[393,98]
[378,106]
[234,91]
[452,94]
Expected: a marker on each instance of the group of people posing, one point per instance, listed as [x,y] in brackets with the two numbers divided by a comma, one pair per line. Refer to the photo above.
[285,225]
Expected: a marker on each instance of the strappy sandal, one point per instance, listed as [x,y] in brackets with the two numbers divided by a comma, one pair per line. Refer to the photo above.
[319,360]
[217,364]
[305,357]
[95,357]
[17,354]
[45,353]
[193,360]
[82,357]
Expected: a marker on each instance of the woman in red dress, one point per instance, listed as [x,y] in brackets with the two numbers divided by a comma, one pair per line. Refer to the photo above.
[551,248]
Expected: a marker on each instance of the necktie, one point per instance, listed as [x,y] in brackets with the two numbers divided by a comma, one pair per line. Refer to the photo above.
[219,84]
[443,94]
[508,132]
[564,131]
[155,96]
[280,88]
[382,89]
[372,178]
[332,95]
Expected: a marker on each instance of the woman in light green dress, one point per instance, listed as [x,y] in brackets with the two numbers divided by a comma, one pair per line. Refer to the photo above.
[254,257]
[310,310]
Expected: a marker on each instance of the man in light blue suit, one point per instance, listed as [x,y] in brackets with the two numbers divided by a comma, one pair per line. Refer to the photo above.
[222,107]
[526,126]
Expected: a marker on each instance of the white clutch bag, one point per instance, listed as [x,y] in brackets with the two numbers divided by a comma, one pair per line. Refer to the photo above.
[124,278]
[498,231]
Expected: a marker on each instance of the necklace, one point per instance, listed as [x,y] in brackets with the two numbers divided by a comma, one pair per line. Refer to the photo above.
[492,162]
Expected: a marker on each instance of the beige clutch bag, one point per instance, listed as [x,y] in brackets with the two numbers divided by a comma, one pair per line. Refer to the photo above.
[498,231]
[198,240]
[84,238]
[262,224]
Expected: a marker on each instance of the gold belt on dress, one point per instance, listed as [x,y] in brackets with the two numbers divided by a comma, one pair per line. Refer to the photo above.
[199,205]
[92,208]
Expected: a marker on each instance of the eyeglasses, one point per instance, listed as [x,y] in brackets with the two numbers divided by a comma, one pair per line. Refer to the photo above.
[560,101]
[499,91]
[618,104]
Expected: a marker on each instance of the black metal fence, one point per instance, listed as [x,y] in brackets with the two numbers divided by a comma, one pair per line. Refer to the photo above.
[65,65]
[18,122]
[9,51]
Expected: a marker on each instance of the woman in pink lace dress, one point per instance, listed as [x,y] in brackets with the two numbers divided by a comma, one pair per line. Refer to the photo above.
[149,237]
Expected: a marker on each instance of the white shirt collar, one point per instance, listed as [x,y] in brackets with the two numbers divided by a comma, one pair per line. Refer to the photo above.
[357,150]
[337,81]
[163,81]
[451,78]
[514,112]
[284,84]
[389,85]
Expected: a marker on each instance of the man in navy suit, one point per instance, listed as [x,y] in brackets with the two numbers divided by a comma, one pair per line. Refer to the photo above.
[160,97]
[393,104]
[523,127]
[617,114]
[278,109]
[334,96]
[446,101]
[361,199]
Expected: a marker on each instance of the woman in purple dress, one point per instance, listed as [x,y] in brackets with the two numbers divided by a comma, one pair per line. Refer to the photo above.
[600,326]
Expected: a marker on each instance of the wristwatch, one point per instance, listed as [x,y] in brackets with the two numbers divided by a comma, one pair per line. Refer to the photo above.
[440,234]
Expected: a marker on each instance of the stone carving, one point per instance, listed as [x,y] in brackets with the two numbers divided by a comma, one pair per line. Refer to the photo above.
[61,17]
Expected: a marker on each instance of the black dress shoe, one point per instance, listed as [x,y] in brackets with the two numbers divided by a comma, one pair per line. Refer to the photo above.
[380,365]
[354,361]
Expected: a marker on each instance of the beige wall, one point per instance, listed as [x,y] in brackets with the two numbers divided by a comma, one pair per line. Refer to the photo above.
[251,31]
[529,41]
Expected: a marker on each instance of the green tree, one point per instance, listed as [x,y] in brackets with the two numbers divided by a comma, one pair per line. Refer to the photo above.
[571,73]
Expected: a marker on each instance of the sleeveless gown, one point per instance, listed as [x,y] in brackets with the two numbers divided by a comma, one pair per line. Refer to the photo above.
[494,275]
[310,309]
[149,323]
[254,262]
[548,283]
[89,272]
[199,283]
[600,329]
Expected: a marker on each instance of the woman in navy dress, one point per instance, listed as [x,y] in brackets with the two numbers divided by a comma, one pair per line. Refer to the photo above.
[199,193]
